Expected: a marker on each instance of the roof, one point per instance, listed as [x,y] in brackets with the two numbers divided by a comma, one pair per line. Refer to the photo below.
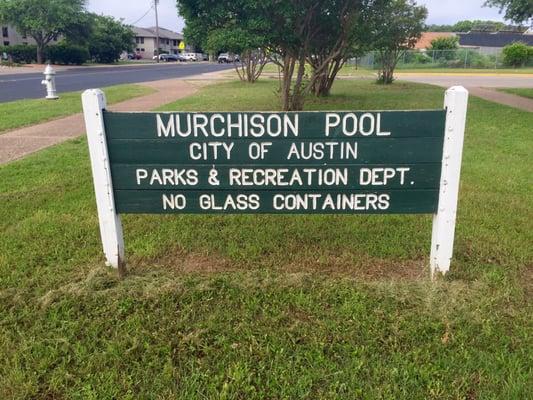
[163,33]
[493,39]
[142,32]
[167,33]
[427,37]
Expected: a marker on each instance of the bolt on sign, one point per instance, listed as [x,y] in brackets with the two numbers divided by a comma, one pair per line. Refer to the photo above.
[364,162]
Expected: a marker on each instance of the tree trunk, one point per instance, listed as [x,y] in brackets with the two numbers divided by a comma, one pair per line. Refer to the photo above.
[251,65]
[324,82]
[287,74]
[389,59]
[40,53]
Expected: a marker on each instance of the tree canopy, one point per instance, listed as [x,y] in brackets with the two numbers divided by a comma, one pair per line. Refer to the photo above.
[514,10]
[108,39]
[469,25]
[43,20]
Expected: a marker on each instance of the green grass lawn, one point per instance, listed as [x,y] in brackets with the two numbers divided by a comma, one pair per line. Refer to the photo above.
[16,114]
[271,307]
[524,92]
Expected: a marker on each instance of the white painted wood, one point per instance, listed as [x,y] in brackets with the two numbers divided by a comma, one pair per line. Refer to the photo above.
[455,102]
[110,226]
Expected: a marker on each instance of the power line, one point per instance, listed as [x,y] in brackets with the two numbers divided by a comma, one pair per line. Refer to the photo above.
[144,15]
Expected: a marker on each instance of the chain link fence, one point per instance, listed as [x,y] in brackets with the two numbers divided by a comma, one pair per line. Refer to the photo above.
[460,58]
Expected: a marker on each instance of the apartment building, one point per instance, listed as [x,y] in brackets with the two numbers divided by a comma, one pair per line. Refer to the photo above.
[145,41]
[10,37]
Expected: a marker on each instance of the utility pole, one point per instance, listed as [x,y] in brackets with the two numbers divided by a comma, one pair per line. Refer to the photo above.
[156,3]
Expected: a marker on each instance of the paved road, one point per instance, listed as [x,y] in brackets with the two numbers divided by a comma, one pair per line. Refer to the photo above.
[468,81]
[28,86]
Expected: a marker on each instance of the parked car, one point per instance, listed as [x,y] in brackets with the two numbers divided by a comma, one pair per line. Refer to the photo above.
[134,56]
[226,58]
[190,57]
[162,57]
[171,57]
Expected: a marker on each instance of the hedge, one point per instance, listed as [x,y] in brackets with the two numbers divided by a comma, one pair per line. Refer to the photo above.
[22,54]
[58,54]
[67,54]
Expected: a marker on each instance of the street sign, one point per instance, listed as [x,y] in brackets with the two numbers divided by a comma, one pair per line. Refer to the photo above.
[364,162]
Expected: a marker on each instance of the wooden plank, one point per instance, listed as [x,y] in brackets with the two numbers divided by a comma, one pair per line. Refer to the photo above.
[94,103]
[333,177]
[276,202]
[426,123]
[443,232]
[368,151]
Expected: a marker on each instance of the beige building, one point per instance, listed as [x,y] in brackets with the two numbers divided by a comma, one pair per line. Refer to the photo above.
[11,37]
[145,41]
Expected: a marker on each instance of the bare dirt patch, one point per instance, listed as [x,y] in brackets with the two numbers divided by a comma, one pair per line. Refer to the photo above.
[333,265]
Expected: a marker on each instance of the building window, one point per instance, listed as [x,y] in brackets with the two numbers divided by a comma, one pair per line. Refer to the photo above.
[25,43]
[5,32]
[142,49]
[142,40]
[6,43]
[175,43]
[24,36]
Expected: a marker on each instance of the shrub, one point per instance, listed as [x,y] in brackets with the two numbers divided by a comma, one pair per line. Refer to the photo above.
[23,54]
[445,43]
[516,54]
[421,58]
[63,53]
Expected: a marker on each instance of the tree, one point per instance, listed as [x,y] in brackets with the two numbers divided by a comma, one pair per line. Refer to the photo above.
[467,25]
[348,25]
[317,32]
[43,20]
[108,39]
[515,10]
[292,30]
[398,27]
[238,40]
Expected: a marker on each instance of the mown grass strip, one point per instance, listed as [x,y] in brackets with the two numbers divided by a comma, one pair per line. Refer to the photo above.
[255,307]
[20,113]
[523,92]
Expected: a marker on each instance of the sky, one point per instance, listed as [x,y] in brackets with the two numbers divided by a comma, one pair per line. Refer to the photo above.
[440,11]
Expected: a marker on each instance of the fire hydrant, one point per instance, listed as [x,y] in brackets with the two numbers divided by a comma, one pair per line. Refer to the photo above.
[50,82]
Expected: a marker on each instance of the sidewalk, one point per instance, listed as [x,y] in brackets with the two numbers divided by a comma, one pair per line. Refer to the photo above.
[507,99]
[19,143]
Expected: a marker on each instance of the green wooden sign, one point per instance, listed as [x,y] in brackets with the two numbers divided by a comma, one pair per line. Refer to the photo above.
[306,162]
[334,162]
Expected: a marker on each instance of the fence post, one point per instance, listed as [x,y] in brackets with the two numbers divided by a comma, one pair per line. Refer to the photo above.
[455,102]
[466,57]
[94,103]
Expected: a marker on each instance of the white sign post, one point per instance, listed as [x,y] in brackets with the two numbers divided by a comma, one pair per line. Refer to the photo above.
[110,226]
[456,103]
